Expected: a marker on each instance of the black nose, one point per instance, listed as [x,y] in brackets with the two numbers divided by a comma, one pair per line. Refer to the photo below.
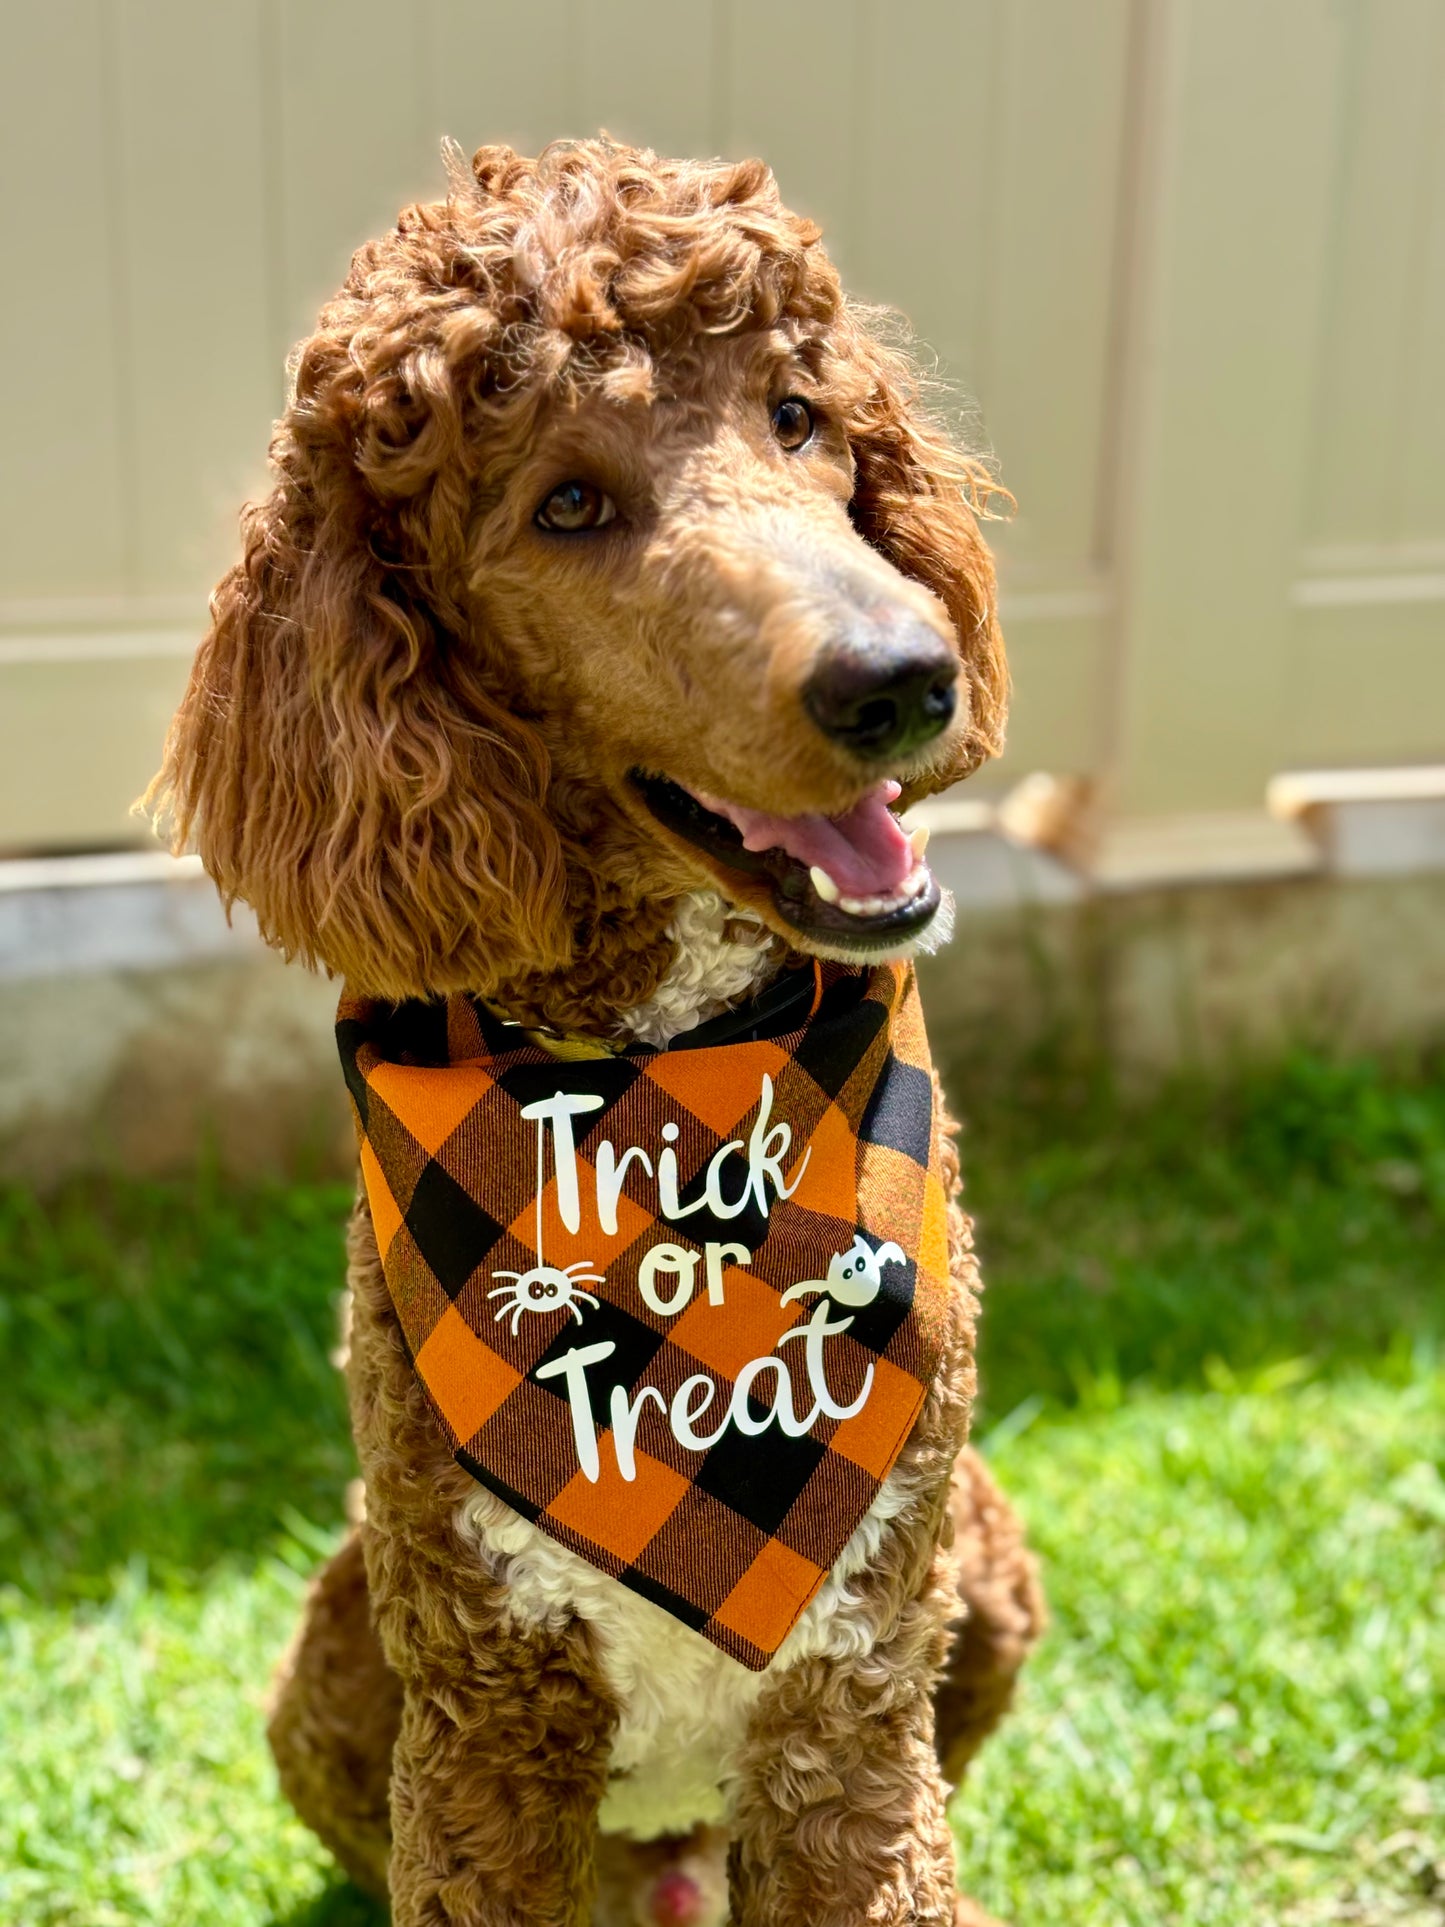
[886,692]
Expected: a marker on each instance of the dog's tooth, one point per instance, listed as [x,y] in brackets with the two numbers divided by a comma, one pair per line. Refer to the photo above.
[914,885]
[875,906]
[918,841]
[826,888]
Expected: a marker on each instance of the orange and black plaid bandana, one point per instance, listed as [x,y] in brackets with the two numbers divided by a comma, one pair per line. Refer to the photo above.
[678,1307]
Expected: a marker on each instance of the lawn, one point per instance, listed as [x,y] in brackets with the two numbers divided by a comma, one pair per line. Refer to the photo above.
[1211,1382]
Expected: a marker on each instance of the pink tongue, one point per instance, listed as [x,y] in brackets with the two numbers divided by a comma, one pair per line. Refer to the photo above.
[865,852]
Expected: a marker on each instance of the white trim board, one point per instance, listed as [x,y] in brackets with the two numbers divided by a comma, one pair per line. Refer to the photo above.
[135,910]
[142,909]
[1369,822]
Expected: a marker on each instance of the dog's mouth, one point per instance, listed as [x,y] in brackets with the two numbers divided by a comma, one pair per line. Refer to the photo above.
[854,882]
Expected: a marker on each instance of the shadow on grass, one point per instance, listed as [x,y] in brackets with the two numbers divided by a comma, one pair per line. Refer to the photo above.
[169,1391]
[339,1906]
[1295,1212]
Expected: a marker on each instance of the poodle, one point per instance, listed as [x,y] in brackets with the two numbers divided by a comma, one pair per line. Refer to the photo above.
[613,597]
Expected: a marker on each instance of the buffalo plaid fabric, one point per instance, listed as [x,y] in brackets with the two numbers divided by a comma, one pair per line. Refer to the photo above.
[735,1513]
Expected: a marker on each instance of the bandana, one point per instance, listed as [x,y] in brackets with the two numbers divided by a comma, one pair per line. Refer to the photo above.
[679,1308]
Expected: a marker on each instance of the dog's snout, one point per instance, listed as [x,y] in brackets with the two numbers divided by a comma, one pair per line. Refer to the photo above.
[884,691]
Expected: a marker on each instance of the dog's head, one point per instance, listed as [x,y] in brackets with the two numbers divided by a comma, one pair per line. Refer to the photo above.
[608,555]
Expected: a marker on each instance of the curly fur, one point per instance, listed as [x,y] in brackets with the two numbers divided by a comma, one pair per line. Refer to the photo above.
[719,954]
[406,743]
[378,748]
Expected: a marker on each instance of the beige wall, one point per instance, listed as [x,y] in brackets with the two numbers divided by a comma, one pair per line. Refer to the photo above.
[1189,255]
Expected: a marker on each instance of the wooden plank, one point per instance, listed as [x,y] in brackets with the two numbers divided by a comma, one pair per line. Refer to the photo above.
[1341,713]
[790,88]
[639,68]
[496,78]
[1059,664]
[645,68]
[1421,480]
[81,726]
[1051,273]
[63,484]
[1371,350]
[357,136]
[926,168]
[203,381]
[1229,281]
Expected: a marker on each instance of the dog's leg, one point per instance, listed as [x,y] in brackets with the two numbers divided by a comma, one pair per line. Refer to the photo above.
[496,1781]
[501,1756]
[335,1718]
[840,1811]
[1004,1616]
[335,1710]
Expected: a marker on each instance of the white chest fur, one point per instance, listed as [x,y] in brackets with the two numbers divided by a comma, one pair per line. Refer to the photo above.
[685,1706]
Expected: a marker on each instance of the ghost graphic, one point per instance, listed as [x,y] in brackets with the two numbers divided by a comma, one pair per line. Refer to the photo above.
[855,1276]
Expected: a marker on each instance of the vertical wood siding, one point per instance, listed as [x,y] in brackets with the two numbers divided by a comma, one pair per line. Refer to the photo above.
[1186,256]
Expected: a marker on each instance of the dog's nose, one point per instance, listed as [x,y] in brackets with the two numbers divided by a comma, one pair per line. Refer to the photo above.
[885,691]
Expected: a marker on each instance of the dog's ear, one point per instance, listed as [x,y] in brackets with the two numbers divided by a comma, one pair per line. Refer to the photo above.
[918,500]
[344,759]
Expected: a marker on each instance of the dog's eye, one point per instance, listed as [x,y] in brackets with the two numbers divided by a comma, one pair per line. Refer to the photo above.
[576,506]
[793,422]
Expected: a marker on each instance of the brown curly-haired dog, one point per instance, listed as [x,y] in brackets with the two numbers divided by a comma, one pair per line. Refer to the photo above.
[611,590]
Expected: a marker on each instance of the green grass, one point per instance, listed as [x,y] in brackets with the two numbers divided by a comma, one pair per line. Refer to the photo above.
[1298,1212]
[1212,1382]
[1238,1714]
[170,1385]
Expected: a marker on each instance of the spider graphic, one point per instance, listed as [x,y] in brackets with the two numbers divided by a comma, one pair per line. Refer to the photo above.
[544,1288]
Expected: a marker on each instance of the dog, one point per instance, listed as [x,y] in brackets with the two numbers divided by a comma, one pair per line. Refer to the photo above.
[613,596]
